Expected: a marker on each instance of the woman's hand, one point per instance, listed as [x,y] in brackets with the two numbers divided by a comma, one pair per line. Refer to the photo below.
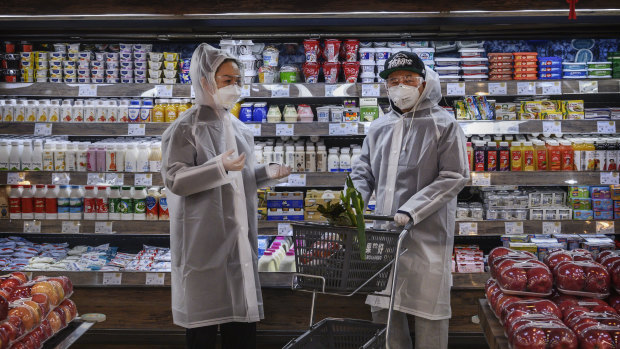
[276,171]
[233,164]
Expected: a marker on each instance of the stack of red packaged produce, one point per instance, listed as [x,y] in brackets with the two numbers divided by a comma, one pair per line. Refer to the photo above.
[556,304]
[526,65]
[332,50]
[32,311]
[501,66]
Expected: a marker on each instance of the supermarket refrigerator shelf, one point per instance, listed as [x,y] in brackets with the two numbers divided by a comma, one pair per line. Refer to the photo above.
[499,228]
[86,128]
[541,178]
[83,178]
[56,226]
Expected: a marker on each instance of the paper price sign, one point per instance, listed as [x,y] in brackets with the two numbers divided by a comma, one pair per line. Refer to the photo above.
[609,178]
[285,229]
[605,227]
[455,89]
[352,128]
[143,179]
[246,91]
[526,88]
[136,129]
[606,127]
[103,227]
[285,129]
[498,89]
[588,86]
[468,228]
[330,90]
[480,179]
[112,278]
[552,227]
[88,90]
[15,177]
[371,90]
[551,88]
[155,278]
[552,127]
[70,227]
[256,129]
[114,178]
[95,179]
[281,91]
[338,129]
[33,227]
[297,179]
[164,90]
[513,227]
[61,178]
[42,129]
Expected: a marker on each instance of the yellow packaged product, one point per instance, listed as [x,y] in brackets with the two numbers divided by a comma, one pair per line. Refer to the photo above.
[461,111]
[548,106]
[524,246]
[552,115]
[183,106]
[171,111]
[574,106]
[171,56]
[575,116]
[531,106]
[159,111]
[527,116]
[506,116]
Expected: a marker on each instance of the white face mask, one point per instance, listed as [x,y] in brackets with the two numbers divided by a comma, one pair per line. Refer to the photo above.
[404,96]
[227,96]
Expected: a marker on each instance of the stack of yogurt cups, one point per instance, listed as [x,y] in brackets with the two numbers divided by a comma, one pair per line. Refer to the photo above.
[27,64]
[132,65]
[242,49]
[374,54]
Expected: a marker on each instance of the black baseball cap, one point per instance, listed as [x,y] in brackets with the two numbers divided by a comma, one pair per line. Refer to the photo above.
[403,60]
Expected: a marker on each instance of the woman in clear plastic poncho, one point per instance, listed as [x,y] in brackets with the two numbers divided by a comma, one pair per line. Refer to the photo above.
[208,166]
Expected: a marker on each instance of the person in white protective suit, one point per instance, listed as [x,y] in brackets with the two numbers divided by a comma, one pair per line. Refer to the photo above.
[415,160]
[208,169]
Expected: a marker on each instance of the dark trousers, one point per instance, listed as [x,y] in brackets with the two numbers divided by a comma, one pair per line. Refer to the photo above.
[235,335]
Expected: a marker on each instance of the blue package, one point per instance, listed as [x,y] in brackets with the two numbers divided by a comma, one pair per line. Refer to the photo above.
[600,192]
[549,76]
[605,215]
[550,69]
[185,63]
[550,61]
[583,215]
[602,204]
[575,73]
[263,242]
[574,66]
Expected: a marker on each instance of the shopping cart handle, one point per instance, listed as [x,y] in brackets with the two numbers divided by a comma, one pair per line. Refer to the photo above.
[378,218]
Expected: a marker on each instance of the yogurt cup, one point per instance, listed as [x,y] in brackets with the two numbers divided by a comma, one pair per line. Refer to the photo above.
[59,71]
[311,50]
[139,47]
[125,56]
[311,72]
[139,56]
[27,55]
[425,54]
[169,81]
[367,54]
[126,73]
[125,65]
[155,65]
[71,80]
[170,74]
[322,114]
[73,48]
[70,72]
[351,71]
[125,47]
[331,50]
[112,80]
[380,68]
[397,44]
[112,65]
[140,65]
[97,80]
[351,47]
[248,62]
[140,80]
[41,73]
[247,79]
[139,73]
[100,56]
[55,64]
[184,78]
[55,80]
[270,56]
[87,55]
[41,55]
[368,68]
[57,56]
[154,81]
[170,65]
[82,64]
[171,56]
[72,56]
[156,56]
[368,77]
[27,64]
[155,73]
[330,72]
[83,80]
[126,80]
[83,71]
[382,54]
[112,56]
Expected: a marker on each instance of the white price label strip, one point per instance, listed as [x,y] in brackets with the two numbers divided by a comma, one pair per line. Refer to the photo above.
[61,178]
[371,90]
[246,91]
[32,227]
[112,278]
[605,227]
[551,88]
[15,177]
[455,89]
[330,89]
[552,127]
[468,228]
[480,179]
[42,129]
[352,128]
[552,227]
[606,127]
[95,179]
[338,129]
[498,89]
[609,178]
[285,130]
[70,227]
[297,179]
[526,88]
[155,278]
[588,86]
[513,227]
[164,91]
[88,90]
[256,129]
[285,229]
[281,91]
[136,129]
[143,179]
[114,179]
[103,227]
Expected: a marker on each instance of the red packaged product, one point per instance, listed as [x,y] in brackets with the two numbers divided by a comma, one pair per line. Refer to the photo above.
[351,47]
[330,71]
[492,293]
[500,57]
[311,72]
[599,336]
[331,50]
[518,318]
[529,278]
[583,278]
[525,77]
[496,65]
[498,71]
[500,255]
[532,64]
[524,56]
[533,306]
[311,48]
[503,300]
[351,71]
[543,335]
[604,254]
[527,70]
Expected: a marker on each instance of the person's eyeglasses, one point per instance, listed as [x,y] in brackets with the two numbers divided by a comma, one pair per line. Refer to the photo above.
[410,80]
[229,80]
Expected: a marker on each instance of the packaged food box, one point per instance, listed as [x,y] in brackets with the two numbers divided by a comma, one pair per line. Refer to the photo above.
[599,65]
[550,106]
[602,204]
[531,106]
[550,62]
[474,62]
[599,72]
[600,192]
[603,215]
[524,246]
[525,56]
[285,200]
[447,62]
[580,204]
[552,115]
[425,53]
[500,57]
[500,77]
[470,267]
[573,106]
[572,241]
[506,107]
[525,70]
[553,70]
[615,192]
[583,215]
[575,73]
[549,76]
[447,70]
[470,71]
[526,64]
[574,116]
[574,66]
[472,52]
[477,77]
[525,76]
[527,116]
[498,71]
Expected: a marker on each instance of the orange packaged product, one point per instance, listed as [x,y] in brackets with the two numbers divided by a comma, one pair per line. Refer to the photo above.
[554,154]
[525,76]
[498,71]
[497,77]
[496,65]
[526,70]
[526,64]
[525,56]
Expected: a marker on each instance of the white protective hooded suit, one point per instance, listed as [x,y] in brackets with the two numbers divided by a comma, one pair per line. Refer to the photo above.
[417,166]
[213,214]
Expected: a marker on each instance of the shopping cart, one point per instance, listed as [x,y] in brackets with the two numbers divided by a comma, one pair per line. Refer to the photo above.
[328,261]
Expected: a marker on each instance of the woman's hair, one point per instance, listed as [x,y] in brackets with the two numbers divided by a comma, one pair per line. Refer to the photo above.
[227,60]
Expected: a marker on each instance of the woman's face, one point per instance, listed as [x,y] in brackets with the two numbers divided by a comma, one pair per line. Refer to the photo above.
[228,74]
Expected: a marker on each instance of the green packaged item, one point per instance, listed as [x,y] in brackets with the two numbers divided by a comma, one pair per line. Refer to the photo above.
[599,65]
[580,203]
[579,191]
[599,72]
[461,111]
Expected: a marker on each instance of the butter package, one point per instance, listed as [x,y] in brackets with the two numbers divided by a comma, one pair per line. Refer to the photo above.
[602,204]
[506,107]
[285,200]
[572,241]
[506,116]
[579,191]
[369,109]
[552,116]
[602,192]
[527,116]
[583,215]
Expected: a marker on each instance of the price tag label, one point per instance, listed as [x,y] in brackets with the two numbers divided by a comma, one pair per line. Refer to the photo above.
[103,227]
[285,229]
[155,278]
[42,129]
[366,127]
[609,178]
[526,88]
[95,179]
[114,178]
[33,227]
[481,179]
[352,128]
[552,127]
[246,91]
[297,179]
[606,127]
[136,129]
[455,89]
[285,129]
[371,90]
[192,93]
[513,227]
[112,278]
[551,88]
[498,89]
[61,178]
[70,227]
[87,90]
[15,177]
[164,90]
[338,129]
[143,179]
[256,129]
[588,86]
[330,89]
[552,227]
[281,91]
[468,228]
[605,227]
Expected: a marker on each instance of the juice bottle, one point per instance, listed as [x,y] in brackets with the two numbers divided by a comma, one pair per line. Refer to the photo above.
[184,104]
[470,156]
[504,156]
[554,154]
[171,111]
[528,156]
[578,154]
[612,155]
[541,155]
[479,156]
[568,157]
[516,156]
[589,151]
[599,154]
[159,111]
[492,156]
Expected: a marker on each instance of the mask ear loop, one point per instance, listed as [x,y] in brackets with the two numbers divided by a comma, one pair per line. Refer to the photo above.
[415,107]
